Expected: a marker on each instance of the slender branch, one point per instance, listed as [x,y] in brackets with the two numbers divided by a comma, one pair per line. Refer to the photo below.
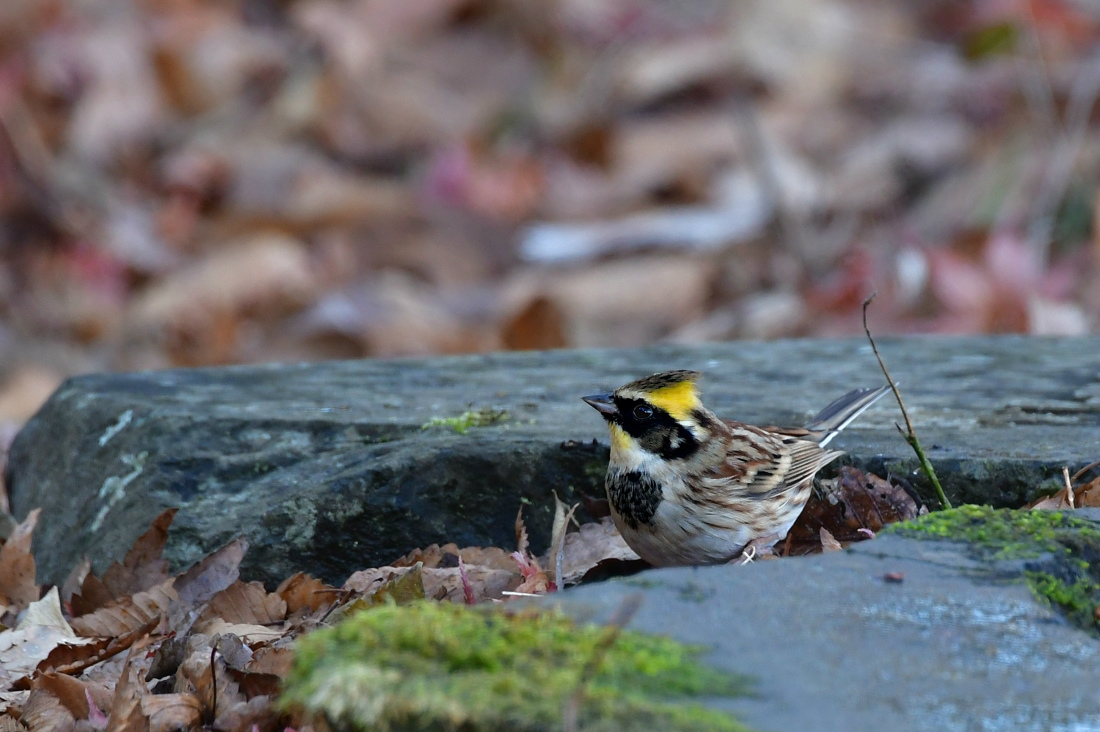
[908,433]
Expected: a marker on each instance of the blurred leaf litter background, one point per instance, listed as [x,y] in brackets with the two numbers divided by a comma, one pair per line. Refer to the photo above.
[190,182]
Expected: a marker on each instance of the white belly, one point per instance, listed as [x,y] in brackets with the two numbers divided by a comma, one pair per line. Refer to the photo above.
[674,538]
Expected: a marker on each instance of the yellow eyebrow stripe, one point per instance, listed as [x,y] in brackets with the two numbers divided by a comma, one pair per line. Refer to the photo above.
[677,399]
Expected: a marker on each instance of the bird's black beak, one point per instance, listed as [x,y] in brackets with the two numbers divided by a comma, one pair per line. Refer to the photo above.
[602,403]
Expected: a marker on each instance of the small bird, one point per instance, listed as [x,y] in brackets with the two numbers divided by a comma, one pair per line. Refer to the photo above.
[686,487]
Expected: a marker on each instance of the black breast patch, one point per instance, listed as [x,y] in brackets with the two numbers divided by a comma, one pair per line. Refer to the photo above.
[634,495]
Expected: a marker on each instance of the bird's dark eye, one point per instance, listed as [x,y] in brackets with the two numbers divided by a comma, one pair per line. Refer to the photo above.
[643,411]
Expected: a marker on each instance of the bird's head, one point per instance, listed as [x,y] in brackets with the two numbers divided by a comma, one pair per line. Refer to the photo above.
[659,414]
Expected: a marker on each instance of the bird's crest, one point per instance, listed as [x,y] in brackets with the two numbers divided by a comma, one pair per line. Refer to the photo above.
[673,391]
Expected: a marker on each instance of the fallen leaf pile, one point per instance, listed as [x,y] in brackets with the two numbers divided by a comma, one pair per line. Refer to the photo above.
[138,648]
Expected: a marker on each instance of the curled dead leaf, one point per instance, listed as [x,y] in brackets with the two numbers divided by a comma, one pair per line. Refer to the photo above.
[302,591]
[17,569]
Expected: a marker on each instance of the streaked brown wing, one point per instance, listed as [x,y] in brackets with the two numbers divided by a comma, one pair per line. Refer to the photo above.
[806,459]
[765,462]
[757,461]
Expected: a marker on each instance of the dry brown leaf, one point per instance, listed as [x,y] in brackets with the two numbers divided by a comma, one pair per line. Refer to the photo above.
[302,591]
[73,659]
[238,713]
[855,500]
[446,557]
[71,692]
[66,657]
[486,583]
[593,543]
[127,614]
[251,634]
[1088,495]
[430,557]
[264,670]
[828,542]
[272,660]
[41,631]
[44,711]
[142,567]
[92,596]
[17,571]
[171,712]
[212,575]
[1084,496]
[253,685]
[366,581]
[126,714]
[46,611]
[22,650]
[249,604]
[1058,502]
[39,634]
[72,584]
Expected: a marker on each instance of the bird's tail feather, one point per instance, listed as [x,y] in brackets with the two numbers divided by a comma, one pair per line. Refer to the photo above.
[838,415]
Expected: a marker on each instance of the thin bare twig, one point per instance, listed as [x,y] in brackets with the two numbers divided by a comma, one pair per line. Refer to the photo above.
[1086,469]
[623,614]
[213,681]
[908,433]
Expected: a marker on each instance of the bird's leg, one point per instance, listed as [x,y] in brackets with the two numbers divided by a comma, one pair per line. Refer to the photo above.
[759,548]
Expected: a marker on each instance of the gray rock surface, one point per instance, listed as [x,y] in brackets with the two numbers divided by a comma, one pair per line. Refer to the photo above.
[958,645]
[326,469]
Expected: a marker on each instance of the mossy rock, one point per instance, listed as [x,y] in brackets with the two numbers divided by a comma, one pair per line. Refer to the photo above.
[429,666]
[1061,551]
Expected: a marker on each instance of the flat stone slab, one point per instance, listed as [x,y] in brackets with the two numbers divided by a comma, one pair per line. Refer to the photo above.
[959,644]
[326,468]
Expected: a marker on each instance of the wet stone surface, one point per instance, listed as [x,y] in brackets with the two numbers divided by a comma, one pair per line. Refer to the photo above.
[961,643]
[326,468]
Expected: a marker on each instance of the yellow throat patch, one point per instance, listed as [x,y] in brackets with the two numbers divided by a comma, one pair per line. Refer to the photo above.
[677,399]
[620,440]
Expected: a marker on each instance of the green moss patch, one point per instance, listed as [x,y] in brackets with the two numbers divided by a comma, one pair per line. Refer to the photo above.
[1006,533]
[430,666]
[1065,549]
[468,419]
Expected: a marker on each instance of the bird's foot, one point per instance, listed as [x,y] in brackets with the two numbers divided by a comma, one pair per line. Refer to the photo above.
[759,548]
